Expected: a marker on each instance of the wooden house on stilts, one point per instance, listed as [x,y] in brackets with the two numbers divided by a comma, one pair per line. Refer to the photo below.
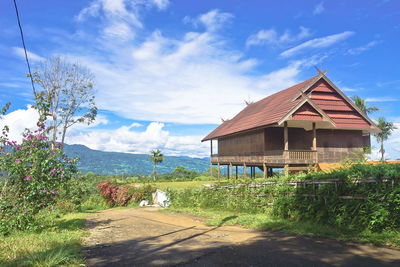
[300,127]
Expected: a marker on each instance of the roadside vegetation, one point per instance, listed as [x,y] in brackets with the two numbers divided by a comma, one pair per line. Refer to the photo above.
[359,203]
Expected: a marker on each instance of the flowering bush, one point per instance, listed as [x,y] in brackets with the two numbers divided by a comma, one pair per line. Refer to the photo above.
[122,195]
[35,171]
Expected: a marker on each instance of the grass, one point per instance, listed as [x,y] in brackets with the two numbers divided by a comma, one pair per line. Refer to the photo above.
[57,245]
[268,222]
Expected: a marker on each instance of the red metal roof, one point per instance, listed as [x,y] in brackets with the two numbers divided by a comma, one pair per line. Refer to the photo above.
[271,109]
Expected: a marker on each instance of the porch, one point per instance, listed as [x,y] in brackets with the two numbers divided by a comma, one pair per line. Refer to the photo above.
[275,158]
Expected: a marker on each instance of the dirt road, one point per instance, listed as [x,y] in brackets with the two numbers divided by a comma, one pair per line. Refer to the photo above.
[145,237]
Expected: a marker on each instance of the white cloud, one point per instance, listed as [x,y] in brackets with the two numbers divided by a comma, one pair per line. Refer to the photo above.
[317,43]
[19,51]
[125,139]
[319,8]
[193,79]
[271,37]
[18,121]
[120,18]
[119,30]
[361,49]
[161,4]
[348,89]
[212,20]
[381,99]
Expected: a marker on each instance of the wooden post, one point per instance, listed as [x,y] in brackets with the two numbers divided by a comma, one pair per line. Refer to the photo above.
[219,174]
[286,168]
[314,141]
[265,170]
[230,169]
[211,165]
[227,171]
[285,136]
[236,171]
[244,170]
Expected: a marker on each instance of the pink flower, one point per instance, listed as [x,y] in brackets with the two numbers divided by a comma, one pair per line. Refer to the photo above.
[27,178]
[25,211]
[18,160]
[43,191]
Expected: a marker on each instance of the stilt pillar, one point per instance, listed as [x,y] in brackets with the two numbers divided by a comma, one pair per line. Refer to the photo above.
[219,173]
[245,170]
[286,168]
[236,171]
[265,170]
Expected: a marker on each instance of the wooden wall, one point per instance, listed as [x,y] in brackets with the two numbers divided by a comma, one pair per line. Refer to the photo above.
[341,138]
[336,145]
[332,145]
[249,143]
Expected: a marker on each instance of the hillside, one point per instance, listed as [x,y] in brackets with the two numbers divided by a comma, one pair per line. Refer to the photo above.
[108,163]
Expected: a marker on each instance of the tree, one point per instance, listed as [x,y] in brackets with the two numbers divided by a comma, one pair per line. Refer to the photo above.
[156,157]
[386,130]
[360,103]
[68,90]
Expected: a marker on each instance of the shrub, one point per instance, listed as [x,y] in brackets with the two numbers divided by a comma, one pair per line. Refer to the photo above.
[121,195]
[373,206]
[35,172]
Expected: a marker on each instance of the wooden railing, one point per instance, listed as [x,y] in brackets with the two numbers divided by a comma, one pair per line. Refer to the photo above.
[272,156]
[302,155]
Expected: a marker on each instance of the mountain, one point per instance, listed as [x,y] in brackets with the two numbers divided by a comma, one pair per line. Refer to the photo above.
[109,163]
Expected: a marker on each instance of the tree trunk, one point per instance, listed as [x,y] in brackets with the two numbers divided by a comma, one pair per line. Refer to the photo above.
[382,151]
[63,136]
[54,129]
[154,171]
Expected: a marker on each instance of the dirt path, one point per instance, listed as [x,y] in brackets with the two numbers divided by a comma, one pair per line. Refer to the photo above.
[145,237]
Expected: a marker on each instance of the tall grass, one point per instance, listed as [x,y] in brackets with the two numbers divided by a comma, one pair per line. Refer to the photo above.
[58,244]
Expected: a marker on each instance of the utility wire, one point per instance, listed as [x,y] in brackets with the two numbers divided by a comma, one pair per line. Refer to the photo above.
[23,44]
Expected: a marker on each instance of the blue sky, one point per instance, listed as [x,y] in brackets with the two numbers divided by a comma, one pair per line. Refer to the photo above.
[168,71]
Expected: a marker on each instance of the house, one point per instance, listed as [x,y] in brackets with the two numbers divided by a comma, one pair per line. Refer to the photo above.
[309,123]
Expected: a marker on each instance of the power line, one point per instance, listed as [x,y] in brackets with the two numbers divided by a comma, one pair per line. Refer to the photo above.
[23,44]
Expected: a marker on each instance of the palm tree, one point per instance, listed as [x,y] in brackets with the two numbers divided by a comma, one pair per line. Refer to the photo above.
[386,130]
[157,157]
[360,103]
